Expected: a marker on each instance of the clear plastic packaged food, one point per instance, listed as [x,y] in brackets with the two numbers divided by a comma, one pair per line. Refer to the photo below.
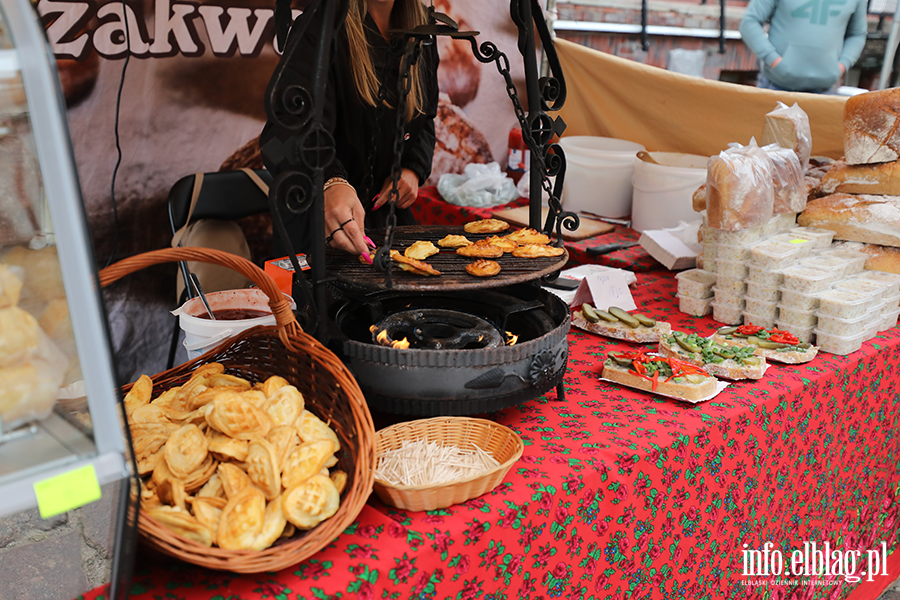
[888,319]
[839,344]
[787,180]
[727,314]
[774,255]
[796,316]
[804,334]
[764,276]
[695,283]
[799,300]
[759,291]
[806,244]
[731,268]
[845,304]
[737,253]
[740,192]
[857,258]
[710,251]
[766,308]
[891,302]
[862,286]
[821,237]
[731,285]
[762,320]
[709,235]
[707,264]
[890,280]
[807,279]
[697,307]
[840,266]
[741,237]
[729,299]
[786,221]
[788,126]
[844,327]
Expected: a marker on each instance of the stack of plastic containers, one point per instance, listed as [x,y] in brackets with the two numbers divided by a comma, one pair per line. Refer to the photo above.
[695,293]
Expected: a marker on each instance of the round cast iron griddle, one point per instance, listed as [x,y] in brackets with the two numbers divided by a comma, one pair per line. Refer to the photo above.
[348,268]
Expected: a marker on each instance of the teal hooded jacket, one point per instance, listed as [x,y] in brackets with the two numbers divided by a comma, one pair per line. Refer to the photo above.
[812,37]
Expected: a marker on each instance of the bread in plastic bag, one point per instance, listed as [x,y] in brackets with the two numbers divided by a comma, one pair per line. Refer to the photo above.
[739,188]
[480,186]
[787,180]
[788,127]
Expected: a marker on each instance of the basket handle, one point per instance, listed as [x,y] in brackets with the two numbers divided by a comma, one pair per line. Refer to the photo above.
[281,308]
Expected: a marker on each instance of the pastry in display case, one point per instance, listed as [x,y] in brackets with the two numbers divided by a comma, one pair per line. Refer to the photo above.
[63,462]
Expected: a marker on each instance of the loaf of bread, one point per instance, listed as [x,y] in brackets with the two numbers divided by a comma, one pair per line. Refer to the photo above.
[879,178]
[698,199]
[739,190]
[865,218]
[788,183]
[879,258]
[788,127]
[872,127]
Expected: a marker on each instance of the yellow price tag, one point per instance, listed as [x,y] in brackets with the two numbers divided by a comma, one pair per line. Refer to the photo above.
[798,241]
[67,491]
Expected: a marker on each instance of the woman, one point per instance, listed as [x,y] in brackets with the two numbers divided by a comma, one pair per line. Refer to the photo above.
[358,181]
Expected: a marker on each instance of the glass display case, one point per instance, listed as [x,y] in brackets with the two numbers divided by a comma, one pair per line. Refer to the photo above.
[62,448]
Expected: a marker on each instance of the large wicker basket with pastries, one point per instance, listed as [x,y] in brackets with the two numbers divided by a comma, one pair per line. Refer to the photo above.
[328,391]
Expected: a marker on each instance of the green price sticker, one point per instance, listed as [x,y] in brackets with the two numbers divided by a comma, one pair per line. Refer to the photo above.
[67,491]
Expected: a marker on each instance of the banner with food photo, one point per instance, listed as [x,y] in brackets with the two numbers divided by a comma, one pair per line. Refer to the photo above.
[192,101]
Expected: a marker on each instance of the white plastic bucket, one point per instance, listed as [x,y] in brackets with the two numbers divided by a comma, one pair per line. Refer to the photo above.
[599,174]
[201,335]
[663,192]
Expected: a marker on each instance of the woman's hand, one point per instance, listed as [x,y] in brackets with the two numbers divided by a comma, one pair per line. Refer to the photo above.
[407,188]
[345,220]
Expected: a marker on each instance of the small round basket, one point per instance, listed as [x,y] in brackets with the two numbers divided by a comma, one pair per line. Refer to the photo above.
[463,432]
[329,391]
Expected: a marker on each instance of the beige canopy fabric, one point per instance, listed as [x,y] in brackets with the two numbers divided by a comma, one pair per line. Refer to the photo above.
[670,112]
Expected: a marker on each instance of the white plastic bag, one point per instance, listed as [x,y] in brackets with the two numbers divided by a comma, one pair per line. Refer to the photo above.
[788,126]
[480,186]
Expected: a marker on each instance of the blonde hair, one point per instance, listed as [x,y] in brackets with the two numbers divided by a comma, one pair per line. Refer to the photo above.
[406,14]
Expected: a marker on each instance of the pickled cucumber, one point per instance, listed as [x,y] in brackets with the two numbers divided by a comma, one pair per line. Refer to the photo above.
[623,316]
[644,320]
[589,314]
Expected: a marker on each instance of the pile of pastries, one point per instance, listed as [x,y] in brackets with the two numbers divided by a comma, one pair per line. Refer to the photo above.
[228,463]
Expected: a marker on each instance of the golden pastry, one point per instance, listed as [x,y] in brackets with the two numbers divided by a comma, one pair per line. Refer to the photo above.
[421,250]
[483,268]
[225,380]
[186,450]
[273,525]
[289,529]
[171,492]
[505,244]
[160,473]
[198,478]
[311,502]
[234,416]
[284,439]
[242,520]
[480,250]
[212,488]
[486,226]
[165,399]
[208,512]
[535,251]
[312,428]
[528,236]
[263,469]
[340,480]
[273,384]
[284,406]
[234,479]
[19,335]
[139,395]
[149,440]
[417,266]
[453,241]
[257,398]
[305,461]
[10,287]
[149,413]
[227,447]
[181,523]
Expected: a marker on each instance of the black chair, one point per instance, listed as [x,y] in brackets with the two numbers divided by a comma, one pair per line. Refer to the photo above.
[226,195]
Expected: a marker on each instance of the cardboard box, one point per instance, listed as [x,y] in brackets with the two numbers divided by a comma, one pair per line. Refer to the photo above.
[668,249]
[282,271]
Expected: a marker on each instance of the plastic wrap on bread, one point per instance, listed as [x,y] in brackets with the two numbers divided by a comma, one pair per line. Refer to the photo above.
[739,188]
[789,186]
[788,127]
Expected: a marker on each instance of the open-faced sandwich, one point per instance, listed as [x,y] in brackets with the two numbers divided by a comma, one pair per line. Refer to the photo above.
[620,324]
[727,362]
[664,375]
[774,344]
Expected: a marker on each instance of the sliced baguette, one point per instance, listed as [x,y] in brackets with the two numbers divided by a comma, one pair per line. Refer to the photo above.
[788,356]
[727,369]
[688,391]
[621,331]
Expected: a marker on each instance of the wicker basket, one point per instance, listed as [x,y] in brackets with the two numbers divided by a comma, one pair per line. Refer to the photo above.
[464,433]
[329,391]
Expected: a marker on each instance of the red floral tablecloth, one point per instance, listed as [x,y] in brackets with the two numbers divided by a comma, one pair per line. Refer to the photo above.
[431,209]
[621,494]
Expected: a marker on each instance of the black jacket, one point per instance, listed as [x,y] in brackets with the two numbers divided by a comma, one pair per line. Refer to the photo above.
[363,134]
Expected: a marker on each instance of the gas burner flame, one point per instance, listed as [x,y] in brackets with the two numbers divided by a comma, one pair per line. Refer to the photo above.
[382,339]
[511,338]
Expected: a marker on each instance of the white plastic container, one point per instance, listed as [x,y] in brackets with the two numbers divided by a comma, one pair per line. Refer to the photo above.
[807,279]
[762,292]
[727,314]
[862,286]
[663,192]
[739,253]
[765,276]
[697,307]
[731,268]
[761,320]
[599,172]
[201,335]
[726,298]
[764,308]
[890,280]
[844,304]
[799,300]
[821,237]
[888,319]
[805,244]
[796,316]
[740,237]
[804,334]
[844,327]
[695,283]
[840,266]
[839,344]
[731,285]
[774,255]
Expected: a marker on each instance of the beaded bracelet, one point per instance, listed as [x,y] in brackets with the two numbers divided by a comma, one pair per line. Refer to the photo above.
[337,181]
